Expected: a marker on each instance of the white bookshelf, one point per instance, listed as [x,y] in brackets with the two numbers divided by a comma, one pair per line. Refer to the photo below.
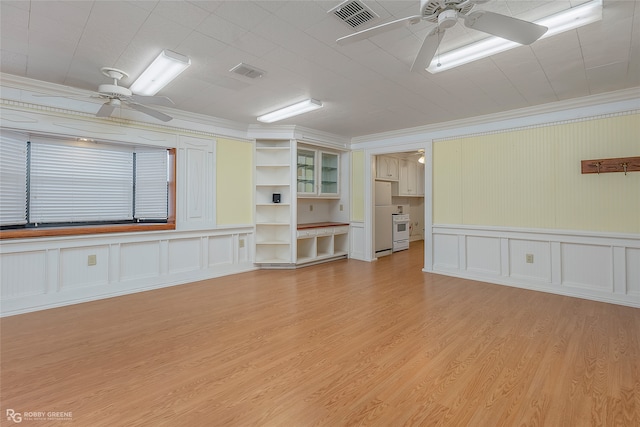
[273,237]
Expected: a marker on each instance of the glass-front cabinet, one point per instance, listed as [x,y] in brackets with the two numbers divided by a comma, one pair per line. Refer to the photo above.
[329,174]
[307,172]
[318,173]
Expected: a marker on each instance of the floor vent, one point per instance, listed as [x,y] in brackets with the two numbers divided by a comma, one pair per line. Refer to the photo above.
[353,13]
[248,71]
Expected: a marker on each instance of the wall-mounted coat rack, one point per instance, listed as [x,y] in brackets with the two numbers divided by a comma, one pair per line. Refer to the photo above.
[622,164]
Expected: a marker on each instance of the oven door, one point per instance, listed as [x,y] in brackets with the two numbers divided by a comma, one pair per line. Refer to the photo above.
[400,230]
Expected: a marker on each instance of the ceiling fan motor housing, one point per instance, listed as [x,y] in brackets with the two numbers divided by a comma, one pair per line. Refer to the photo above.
[447,19]
[113,90]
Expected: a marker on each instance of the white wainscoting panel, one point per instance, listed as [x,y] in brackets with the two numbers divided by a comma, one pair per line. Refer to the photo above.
[244,245]
[356,241]
[598,266]
[483,255]
[539,269]
[220,250]
[633,271]
[447,254]
[43,273]
[23,274]
[587,266]
[184,255]
[75,271]
[139,260]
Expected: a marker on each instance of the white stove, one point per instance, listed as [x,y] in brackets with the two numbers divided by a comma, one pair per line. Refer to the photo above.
[400,232]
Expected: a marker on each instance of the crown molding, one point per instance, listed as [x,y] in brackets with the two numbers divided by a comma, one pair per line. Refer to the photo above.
[576,108]
[299,133]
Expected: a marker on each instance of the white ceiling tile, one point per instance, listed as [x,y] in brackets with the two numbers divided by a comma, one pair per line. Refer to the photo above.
[255,45]
[272,6]
[221,29]
[244,14]
[301,14]
[14,28]
[63,13]
[208,5]
[181,12]
[607,78]
[201,48]
[13,63]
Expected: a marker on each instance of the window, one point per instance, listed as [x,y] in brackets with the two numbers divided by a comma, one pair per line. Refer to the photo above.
[53,186]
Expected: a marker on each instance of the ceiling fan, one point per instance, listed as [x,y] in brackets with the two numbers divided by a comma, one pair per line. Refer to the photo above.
[445,13]
[117,95]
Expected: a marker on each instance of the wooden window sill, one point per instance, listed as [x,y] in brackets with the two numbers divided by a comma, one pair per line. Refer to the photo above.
[82,230]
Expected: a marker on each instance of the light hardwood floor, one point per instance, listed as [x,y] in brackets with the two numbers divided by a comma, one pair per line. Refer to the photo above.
[343,343]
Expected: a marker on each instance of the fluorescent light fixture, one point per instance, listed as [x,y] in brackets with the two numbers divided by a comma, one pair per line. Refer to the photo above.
[290,111]
[166,67]
[566,20]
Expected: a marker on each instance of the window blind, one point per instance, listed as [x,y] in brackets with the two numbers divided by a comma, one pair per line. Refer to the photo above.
[77,184]
[13,178]
[151,191]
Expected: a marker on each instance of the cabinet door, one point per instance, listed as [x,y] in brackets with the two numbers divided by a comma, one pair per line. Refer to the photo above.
[329,174]
[408,178]
[387,168]
[403,178]
[392,168]
[306,172]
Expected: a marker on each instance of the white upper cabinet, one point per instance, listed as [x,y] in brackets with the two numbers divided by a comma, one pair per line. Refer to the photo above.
[318,173]
[411,178]
[387,168]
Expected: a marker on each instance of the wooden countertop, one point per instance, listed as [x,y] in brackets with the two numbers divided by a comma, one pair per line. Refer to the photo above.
[320,224]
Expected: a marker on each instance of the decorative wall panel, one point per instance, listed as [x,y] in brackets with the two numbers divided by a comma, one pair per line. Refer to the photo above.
[139,260]
[447,255]
[633,271]
[483,254]
[184,255]
[85,266]
[587,266]
[23,274]
[220,250]
[537,267]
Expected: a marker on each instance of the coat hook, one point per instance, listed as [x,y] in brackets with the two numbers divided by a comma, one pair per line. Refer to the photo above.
[598,166]
[624,166]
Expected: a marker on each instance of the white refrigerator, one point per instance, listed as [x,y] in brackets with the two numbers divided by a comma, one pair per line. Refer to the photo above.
[383,218]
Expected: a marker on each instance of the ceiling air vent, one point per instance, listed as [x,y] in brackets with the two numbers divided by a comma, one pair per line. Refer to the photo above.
[353,13]
[247,70]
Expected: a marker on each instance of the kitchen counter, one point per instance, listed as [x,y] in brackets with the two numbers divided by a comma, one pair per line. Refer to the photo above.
[320,225]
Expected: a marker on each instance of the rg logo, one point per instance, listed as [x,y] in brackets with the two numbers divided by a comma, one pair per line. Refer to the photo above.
[14,416]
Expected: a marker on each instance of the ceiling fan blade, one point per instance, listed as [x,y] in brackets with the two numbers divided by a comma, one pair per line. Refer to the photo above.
[428,49]
[378,29]
[151,112]
[106,110]
[507,27]
[155,100]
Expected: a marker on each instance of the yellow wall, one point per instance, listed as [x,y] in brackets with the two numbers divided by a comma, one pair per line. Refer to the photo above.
[357,185]
[234,182]
[531,178]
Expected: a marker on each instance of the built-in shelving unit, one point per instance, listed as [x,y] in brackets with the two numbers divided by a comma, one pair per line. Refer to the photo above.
[322,243]
[274,232]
